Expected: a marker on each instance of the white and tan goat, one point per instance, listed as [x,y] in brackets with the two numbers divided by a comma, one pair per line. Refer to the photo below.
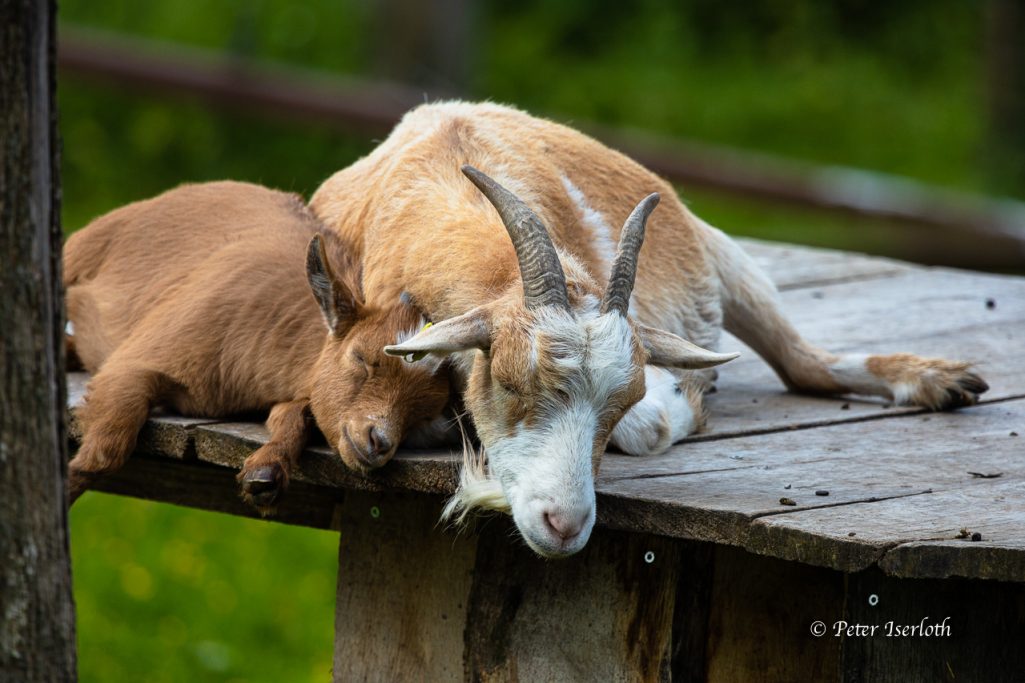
[199,299]
[551,357]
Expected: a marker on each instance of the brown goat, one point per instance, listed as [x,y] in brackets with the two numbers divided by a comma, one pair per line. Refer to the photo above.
[199,299]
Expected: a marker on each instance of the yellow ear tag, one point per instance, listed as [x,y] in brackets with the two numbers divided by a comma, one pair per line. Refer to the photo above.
[419,355]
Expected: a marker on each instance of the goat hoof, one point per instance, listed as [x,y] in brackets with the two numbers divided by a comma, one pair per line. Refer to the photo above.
[263,486]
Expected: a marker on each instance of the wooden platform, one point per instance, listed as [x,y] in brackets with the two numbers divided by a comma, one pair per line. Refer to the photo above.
[735,578]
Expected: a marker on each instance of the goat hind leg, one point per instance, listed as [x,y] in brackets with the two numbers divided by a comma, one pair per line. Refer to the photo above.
[752,312]
[117,402]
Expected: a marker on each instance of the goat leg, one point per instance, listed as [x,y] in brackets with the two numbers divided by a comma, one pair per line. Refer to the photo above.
[118,401]
[265,473]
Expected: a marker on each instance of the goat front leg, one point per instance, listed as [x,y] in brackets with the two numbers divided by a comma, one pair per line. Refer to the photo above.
[117,402]
[672,408]
[265,473]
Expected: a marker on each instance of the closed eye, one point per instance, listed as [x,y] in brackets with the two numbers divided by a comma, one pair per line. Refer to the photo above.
[509,389]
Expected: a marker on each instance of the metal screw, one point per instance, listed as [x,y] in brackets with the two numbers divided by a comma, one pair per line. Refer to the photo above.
[649,557]
[375,512]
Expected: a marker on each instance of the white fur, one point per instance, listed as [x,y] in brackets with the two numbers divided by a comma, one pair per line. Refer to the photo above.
[663,417]
[600,231]
[594,221]
[548,468]
[477,488]
[850,370]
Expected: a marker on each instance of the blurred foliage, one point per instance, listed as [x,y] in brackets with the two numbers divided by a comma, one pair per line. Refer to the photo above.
[170,594]
[165,593]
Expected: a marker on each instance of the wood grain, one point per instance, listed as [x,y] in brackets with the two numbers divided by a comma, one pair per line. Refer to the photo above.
[605,614]
[986,636]
[37,627]
[403,587]
[207,487]
[992,507]
[759,618]
[428,471]
[737,501]
[792,267]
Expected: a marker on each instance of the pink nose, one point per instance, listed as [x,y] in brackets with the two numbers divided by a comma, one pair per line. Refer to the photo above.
[564,524]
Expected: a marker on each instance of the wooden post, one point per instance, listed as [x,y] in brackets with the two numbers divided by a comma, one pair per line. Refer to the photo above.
[605,614]
[37,627]
[402,590]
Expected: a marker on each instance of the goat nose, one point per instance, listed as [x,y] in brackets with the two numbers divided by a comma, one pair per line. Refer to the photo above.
[377,441]
[564,524]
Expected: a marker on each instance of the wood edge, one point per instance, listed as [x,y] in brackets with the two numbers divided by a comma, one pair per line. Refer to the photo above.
[954,559]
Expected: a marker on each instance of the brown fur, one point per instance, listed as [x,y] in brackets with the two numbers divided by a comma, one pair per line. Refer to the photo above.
[690,281]
[420,226]
[198,299]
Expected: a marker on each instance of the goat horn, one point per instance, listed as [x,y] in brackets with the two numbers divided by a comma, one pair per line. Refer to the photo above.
[624,269]
[544,283]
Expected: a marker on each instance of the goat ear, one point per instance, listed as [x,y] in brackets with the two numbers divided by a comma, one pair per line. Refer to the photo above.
[337,303]
[668,350]
[471,330]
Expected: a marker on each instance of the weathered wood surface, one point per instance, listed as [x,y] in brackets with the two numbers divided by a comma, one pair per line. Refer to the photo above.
[758,617]
[403,587]
[214,488]
[605,614]
[37,613]
[876,461]
[985,641]
[792,266]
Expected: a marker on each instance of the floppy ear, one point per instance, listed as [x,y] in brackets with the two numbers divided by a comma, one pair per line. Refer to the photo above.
[666,349]
[471,330]
[337,302]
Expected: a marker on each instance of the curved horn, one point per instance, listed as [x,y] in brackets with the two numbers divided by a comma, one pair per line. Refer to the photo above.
[544,283]
[621,280]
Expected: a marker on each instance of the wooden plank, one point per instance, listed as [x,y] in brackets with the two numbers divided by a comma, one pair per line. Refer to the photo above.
[429,471]
[605,614]
[897,458]
[792,267]
[941,313]
[919,303]
[985,638]
[206,487]
[908,440]
[164,434]
[1002,559]
[691,609]
[992,507]
[403,586]
[761,609]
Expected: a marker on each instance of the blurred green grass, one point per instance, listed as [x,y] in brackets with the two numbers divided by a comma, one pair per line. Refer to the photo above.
[169,594]
[165,593]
